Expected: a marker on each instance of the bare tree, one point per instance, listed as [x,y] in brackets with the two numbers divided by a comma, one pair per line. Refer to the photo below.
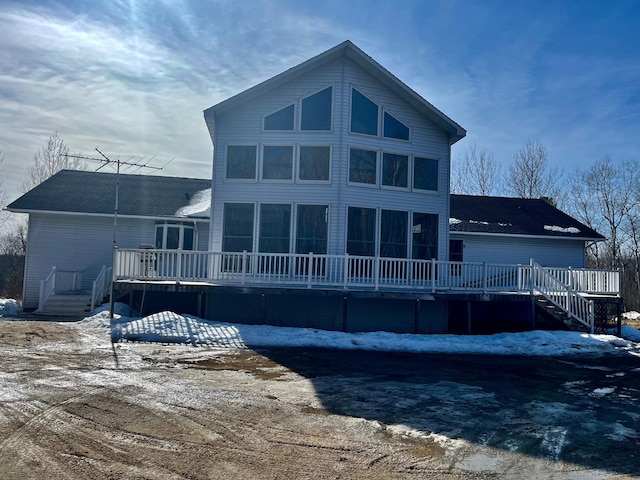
[4,217]
[476,173]
[49,160]
[530,175]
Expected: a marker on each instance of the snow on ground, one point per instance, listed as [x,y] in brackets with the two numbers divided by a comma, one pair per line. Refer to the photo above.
[170,327]
[9,307]
[631,315]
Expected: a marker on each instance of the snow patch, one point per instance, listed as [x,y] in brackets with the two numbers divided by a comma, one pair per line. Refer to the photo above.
[454,221]
[170,327]
[555,228]
[601,392]
[200,204]
[478,222]
[631,315]
[9,307]
[621,433]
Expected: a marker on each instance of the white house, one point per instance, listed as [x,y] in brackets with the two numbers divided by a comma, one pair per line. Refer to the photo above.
[330,208]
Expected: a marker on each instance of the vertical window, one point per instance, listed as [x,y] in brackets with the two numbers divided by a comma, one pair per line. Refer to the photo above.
[393,233]
[395,170]
[237,230]
[456,248]
[316,111]
[311,229]
[425,174]
[173,238]
[362,166]
[314,163]
[241,161]
[361,231]
[364,114]
[425,236]
[277,162]
[275,228]
[280,120]
[393,128]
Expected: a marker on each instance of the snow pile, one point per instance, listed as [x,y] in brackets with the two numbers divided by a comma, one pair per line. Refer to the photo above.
[454,221]
[200,204]
[630,333]
[170,327]
[631,315]
[9,307]
[555,228]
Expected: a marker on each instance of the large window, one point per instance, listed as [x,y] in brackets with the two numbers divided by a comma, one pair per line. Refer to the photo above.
[241,161]
[364,114]
[311,229]
[280,120]
[275,228]
[314,163]
[425,174]
[237,230]
[316,111]
[362,166]
[425,236]
[395,170]
[394,128]
[174,236]
[393,233]
[277,162]
[361,231]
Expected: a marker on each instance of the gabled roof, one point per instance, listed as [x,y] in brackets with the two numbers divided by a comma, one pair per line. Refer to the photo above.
[349,50]
[514,216]
[72,191]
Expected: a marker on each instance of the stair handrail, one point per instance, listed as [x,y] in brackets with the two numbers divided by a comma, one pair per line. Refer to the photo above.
[562,296]
[100,284]
[47,288]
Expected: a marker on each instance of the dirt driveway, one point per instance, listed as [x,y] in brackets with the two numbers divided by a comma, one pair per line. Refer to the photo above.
[72,405]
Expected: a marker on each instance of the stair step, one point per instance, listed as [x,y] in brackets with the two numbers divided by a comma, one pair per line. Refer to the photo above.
[66,306]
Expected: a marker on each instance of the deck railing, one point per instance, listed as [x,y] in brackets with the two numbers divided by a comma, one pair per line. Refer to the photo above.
[100,286]
[349,272]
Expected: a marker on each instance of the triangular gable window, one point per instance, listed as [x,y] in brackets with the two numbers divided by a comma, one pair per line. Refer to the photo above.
[280,120]
[316,111]
[364,114]
[394,128]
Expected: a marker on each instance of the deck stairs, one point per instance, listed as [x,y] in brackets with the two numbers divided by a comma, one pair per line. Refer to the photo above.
[550,310]
[70,305]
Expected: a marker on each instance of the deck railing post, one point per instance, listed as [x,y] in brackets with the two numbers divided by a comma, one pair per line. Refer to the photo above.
[310,270]
[484,276]
[244,266]
[178,265]
[345,271]
[376,273]
[433,275]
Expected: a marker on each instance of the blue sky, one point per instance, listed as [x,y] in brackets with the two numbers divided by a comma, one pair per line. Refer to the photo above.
[132,77]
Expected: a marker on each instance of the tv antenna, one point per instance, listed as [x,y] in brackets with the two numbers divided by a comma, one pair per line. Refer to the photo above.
[128,163]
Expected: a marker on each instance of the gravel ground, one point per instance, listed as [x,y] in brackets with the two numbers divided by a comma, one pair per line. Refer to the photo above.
[74,406]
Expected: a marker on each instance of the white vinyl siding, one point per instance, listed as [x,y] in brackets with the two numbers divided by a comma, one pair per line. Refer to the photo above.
[243,125]
[83,243]
[548,252]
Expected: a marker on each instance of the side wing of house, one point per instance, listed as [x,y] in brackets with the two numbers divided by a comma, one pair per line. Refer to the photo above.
[71,223]
[331,161]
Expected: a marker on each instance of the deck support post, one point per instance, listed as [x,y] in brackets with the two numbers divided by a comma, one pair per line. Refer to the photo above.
[619,318]
[345,302]
[263,309]
[468,318]
[533,312]
[416,317]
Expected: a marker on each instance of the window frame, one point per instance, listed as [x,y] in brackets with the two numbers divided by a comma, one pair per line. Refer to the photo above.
[406,233]
[181,226]
[262,163]
[258,226]
[413,174]
[226,164]
[379,109]
[387,112]
[375,230]
[293,122]
[376,181]
[223,229]
[299,169]
[295,226]
[331,110]
[413,243]
[394,187]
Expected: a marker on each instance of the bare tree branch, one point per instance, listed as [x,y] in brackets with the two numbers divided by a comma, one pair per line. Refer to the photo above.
[475,173]
[530,175]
